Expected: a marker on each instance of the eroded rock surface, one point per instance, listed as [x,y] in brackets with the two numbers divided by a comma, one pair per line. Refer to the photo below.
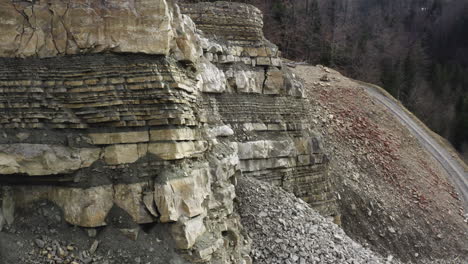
[54,27]
[126,117]
[262,102]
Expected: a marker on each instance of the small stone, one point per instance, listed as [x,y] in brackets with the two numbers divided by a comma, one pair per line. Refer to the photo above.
[2,221]
[338,237]
[62,253]
[131,233]
[325,78]
[92,232]
[94,247]
[294,257]
[39,243]
[22,136]
[263,214]
[8,205]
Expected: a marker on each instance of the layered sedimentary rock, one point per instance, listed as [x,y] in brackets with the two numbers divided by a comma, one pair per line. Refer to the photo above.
[262,102]
[55,27]
[91,130]
[126,104]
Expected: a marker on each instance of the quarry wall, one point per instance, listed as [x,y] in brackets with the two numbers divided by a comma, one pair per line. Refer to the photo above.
[151,113]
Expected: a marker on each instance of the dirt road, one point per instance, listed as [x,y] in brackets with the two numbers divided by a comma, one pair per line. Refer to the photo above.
[456,170]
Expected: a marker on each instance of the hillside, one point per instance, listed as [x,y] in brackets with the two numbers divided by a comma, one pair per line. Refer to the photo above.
[415,49]
[394,194]
[154,132]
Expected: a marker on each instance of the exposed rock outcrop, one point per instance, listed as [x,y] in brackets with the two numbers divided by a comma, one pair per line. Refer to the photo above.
[53,27]
[98,130]
[122,113]
[263,102]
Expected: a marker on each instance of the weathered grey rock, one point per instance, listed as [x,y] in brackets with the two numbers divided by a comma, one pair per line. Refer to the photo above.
[253,150]
[52,28]
[84,207]
[92,232]
[274,81]
[248,81]
[41,159]
[269,163]
[176,150]
[255,127]
[2,221]
[8,205]
[182,196]
[221,131]
[211,79]
[93,247]
[263,61]
[131,233]
[186,231]
[119,137]
[266,149]
[39,242]
[121,154]
[130,198]
[281,148]
[148,200]
[178,134]
[186,46]
[293,86]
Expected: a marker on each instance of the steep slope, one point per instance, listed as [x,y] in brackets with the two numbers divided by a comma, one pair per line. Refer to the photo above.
[454,167]
[137,128]
[393,194]
[125,130]
[102,129]
[285,229]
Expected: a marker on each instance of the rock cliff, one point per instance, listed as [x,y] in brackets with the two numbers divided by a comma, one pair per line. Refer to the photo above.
[122,114]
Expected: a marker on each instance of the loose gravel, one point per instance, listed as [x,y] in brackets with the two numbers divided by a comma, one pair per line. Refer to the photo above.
[285,229]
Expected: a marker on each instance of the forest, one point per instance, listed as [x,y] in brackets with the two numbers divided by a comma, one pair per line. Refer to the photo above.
[416,49]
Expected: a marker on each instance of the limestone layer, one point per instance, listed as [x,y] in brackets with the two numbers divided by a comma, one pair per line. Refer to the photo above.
[262,102]
[117,130]
[164,135]
[54,27]
[232,21]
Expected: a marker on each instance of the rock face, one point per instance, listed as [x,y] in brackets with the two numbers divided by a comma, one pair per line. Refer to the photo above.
[262,102]
[125,104]
[54,27]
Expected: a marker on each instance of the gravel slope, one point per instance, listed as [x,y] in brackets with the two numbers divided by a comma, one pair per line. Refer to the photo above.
[395,197]
[284,229]
[454,169]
